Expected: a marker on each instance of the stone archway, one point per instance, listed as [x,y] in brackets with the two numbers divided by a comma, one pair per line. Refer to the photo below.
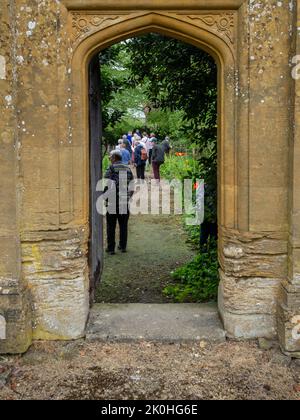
[45,278]
[214,33]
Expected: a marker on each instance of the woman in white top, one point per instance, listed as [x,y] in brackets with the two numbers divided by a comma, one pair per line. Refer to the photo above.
[150,145]
[118,147]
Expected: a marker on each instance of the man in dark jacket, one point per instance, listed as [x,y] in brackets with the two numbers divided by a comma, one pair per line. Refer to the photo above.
[140,161]
[158,158]
[119,212]
[166,145]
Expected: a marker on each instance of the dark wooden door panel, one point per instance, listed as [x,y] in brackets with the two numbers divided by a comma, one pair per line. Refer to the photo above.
[96,221]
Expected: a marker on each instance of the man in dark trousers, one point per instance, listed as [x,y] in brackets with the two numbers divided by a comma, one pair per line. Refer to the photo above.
[120,176]
[158,158]
[140,160]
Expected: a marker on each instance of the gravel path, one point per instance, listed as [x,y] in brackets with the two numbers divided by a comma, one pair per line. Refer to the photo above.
[81,370]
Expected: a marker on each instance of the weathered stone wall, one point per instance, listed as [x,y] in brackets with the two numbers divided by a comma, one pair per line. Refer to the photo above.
[289,302]
[56,272]
[53,222]
[253,266]
[14,302]
[254,258]
[42,199]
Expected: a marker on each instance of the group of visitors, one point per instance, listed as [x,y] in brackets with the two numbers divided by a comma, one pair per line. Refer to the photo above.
[133,149]
[142,149]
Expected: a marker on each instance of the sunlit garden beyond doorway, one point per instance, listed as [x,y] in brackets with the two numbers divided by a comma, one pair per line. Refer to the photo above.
[154,84]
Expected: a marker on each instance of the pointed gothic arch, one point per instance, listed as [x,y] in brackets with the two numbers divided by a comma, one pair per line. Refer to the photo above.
[203,37]
[45,213]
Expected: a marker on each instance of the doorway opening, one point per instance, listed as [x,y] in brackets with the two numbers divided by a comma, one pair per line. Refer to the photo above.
[153,84]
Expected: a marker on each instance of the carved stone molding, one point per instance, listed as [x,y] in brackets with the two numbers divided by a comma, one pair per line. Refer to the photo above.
[87,23]
[223,23]
[96,5]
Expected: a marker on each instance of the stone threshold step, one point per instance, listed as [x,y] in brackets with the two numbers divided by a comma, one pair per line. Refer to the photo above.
[155,323]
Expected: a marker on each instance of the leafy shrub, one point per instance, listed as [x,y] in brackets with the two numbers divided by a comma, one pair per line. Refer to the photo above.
[115,131]
[105,163]
[193,233]
[180,167]
[198,280]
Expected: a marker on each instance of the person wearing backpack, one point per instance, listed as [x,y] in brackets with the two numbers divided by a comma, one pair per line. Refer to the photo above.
[120,212]
[140,160]
[158,159]
[126,156]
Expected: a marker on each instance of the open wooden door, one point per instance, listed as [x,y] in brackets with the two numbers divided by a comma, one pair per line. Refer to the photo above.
[96,220]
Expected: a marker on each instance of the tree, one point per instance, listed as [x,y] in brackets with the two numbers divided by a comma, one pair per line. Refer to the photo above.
[111,82]
[177,76]
[176,79]
[122,102]
[181,77]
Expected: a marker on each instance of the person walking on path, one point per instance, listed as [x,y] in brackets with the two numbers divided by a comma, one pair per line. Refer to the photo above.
[138,133]
[120,142]
[145,139]
[127,143]
[166,145]
[129,137]
[126,156]
[140,160]
[149,146]
[158,158]
[120,211]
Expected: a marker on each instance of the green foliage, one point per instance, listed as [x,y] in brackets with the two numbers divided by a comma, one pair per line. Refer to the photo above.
[168,123]
[122,103]
[105,163]
[177,76]
[198,280]
[193,233]
[179,82]
[180,167]
[114,132]
[111,82]
[181,77]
